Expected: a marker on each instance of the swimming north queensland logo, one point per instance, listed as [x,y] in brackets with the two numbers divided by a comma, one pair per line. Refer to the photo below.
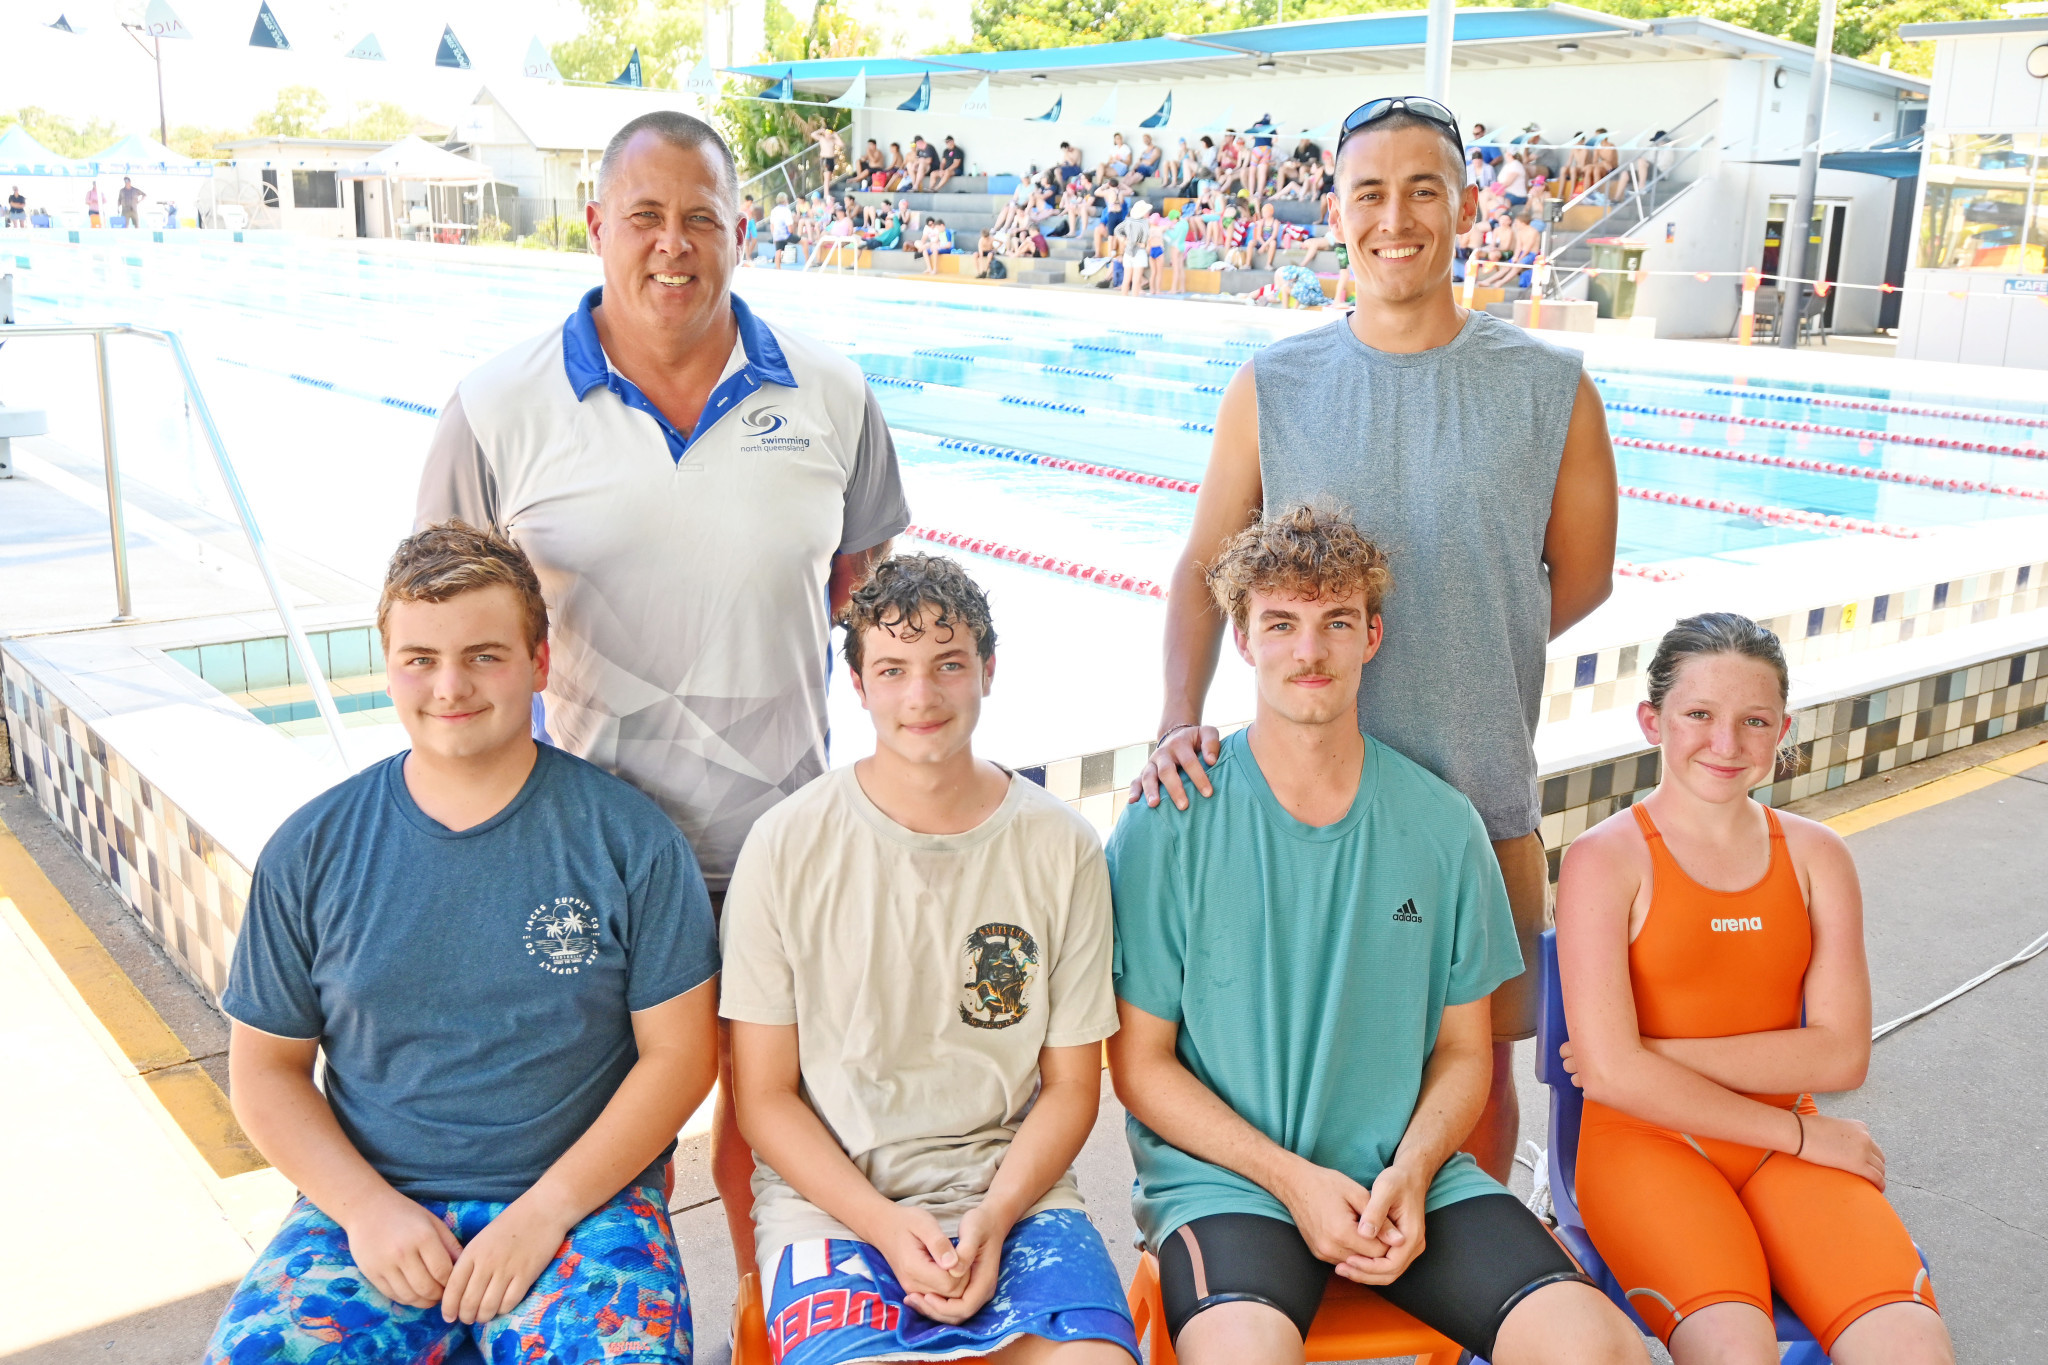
[765,422]
[1000,960]
[563,936]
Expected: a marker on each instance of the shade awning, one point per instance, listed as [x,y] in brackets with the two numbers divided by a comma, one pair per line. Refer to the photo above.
[22,155]
[416,159]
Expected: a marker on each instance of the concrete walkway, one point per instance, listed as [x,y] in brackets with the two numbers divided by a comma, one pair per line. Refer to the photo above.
[105,1175]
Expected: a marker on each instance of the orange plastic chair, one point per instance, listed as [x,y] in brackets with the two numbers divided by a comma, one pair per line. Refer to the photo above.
[750,1328]
[1353,1324]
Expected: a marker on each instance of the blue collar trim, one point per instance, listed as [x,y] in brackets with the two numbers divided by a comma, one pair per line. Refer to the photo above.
[584,360]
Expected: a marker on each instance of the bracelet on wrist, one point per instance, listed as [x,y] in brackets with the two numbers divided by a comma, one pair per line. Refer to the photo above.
[1170,731]
[1802,1132]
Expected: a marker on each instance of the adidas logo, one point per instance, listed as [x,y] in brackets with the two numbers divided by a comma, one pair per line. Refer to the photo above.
[1408,914]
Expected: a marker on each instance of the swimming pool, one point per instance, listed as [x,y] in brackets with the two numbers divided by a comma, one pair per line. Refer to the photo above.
[1037,422]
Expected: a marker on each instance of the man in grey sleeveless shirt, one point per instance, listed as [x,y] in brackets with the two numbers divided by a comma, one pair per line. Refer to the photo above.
[1500,532]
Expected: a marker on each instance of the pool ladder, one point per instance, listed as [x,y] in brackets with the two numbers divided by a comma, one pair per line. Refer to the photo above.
[302,649]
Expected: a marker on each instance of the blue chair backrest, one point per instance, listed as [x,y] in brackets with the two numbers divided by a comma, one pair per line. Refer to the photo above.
[1566,1103]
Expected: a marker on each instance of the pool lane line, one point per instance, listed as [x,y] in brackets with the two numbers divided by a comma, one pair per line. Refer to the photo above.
[1941,789]
[1860,433]
[1087,573]
[1850,471]
[1764,512]
[162,1061]
[1100,471]
[1874,405]
[412,406]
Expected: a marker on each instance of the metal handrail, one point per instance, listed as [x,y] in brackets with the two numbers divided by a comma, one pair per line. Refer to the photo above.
[316,679]
[1574,201]
[809,149]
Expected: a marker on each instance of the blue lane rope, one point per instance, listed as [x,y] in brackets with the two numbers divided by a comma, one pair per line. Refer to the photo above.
[999,452]
[891,381]
[1044,403]
[1202,427]
[1106,350]
[1079,374]
[945,355]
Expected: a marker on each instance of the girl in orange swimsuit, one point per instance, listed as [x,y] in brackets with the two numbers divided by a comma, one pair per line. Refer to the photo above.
[1695,932]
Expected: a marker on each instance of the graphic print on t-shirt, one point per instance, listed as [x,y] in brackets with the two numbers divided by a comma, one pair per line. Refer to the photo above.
[1000,959]
[562,936]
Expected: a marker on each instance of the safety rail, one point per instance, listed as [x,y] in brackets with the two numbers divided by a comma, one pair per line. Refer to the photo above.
[810,150]
[1643,197]
[302,648]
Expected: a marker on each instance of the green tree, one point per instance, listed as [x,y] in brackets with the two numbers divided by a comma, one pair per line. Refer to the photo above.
[761,133]
[296,114]
[381,122]
[669,34]
[202,144]
[60,134]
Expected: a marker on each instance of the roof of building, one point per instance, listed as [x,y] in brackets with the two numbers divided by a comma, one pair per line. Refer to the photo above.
[573,117]
[1482,39]
[307,144]
[1975,28]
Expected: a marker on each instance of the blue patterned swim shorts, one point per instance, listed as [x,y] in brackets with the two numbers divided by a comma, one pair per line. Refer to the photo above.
[614,1292]
[838,1303]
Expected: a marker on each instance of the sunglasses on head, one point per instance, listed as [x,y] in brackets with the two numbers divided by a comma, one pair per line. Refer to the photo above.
[1372,111]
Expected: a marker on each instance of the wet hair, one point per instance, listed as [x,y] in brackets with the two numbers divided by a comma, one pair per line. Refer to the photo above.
[1309,550]
[678,130]
[1715,632]
[908,595]
[451,558]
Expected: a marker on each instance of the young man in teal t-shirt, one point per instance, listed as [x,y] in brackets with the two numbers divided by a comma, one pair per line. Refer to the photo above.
[1303,966]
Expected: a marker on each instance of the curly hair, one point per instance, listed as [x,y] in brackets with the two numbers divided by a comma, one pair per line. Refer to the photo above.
[1308,550]
[452,558]
[908,595]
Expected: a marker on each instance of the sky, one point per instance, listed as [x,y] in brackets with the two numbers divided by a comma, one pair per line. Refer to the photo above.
[216,80]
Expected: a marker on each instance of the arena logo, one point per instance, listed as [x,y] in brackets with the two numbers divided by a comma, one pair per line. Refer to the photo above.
[764,422]
[1736,926]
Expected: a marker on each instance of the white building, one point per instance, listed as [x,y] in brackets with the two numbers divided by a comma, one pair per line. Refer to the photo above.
[1737,97]
[294,183]
[1977,288]
[545,141]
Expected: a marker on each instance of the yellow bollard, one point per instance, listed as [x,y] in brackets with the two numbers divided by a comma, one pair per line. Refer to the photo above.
[1539,275]
[1471,280]
[1745,325]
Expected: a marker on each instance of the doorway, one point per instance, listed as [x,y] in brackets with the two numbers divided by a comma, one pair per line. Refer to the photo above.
[1823,244]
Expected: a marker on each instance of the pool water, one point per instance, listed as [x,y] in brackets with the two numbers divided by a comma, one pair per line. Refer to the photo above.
[326,364]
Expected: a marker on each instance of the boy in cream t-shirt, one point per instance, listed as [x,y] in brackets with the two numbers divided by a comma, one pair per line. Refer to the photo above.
[917,969]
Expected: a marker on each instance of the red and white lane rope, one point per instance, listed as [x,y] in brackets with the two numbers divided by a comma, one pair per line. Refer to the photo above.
[1880,405]
[1627,569]
[1847,471]
[1872,438]
[1786,516]
[1087,573]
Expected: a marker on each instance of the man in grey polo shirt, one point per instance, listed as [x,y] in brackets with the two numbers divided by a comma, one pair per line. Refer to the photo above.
[694,486]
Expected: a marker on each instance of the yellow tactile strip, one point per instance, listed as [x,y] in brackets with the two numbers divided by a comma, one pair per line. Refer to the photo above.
[1940,790]
[164,1063]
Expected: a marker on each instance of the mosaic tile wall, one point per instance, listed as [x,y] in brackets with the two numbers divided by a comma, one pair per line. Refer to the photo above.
[1590,683]
[185,887]
[190,892]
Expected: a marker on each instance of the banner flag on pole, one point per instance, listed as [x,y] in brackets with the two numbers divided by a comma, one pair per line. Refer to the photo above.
[1051,115]
[782,91]
[856,96]
[1106,115]
[920,101]
[977,102]
[267,33]
[703,81]
[368,50]
[63,25]
[451,52]
[539,64]
[631,75]
[161,21]
[1219,123]
[1159,119]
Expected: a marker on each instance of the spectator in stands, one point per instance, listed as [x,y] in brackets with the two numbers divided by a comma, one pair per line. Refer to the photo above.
[1176,168]
[933,243]
[1170,267]
[839,234]
[1132,241]
[952,161]
[1110,215]
[781,223]
[1118,163]
[1229,157]
[873,175]
[924,164]
[1073,211]
[1606,161]
[984,252]
[1478,170]
[889,237]
[1205,162]
[1147,164]
[1517,243]
[1265,235]
[897,171]
[831,150]
[1259,167]
[1069,166]
[1513,184]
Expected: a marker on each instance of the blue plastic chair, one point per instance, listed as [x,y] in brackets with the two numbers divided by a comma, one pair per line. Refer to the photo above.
[1566,1106]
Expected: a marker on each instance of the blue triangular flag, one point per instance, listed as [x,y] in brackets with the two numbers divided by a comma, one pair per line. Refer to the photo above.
[267,33]
[1159,119]
[368,50]
[1051,115]
[451,52]
[631,75]
[783,90]
[63,25]
[920,101]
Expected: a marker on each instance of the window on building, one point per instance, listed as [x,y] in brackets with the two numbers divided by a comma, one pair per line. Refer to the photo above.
[315,190]
[1980,189]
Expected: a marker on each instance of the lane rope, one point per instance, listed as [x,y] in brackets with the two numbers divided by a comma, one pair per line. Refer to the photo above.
[1784,516]
[1087,573]
[1860,433]
[1877,405]
[1848,471]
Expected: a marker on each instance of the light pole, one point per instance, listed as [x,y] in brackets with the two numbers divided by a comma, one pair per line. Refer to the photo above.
[155,52]
[1792,240]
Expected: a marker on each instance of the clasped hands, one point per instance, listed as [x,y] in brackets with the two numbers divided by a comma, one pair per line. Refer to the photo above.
[413,1258]
[1370,1236]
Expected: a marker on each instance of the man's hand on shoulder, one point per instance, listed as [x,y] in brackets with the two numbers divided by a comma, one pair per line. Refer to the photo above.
[1193,749]
[501,1263]
[404,1251]
[1393,1217]
[1327,1207]
[923,1257]
[980,1252]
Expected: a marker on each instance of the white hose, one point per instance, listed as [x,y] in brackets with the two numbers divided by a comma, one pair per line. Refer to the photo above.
[2026,954]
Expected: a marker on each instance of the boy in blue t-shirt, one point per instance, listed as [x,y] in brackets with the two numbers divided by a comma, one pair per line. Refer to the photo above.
[507,957]
[1303,966]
